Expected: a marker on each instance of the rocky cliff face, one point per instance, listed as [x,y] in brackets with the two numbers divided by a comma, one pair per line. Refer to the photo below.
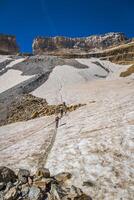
[52,44]
[8,44]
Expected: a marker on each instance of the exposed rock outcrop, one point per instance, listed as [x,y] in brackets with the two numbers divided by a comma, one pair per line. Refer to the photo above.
[30,107]
[61,44]
[8,44]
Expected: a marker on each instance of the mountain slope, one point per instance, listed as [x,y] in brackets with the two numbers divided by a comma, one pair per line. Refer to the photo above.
[94,142]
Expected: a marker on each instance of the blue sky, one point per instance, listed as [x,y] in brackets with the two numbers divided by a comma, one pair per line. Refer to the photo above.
[30,18]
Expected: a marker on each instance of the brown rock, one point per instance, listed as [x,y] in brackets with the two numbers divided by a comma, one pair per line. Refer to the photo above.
[43,172]
[40,184]
[30,181]
[77,194]
[11,194]
[34,115]
[62,177]
[8,44]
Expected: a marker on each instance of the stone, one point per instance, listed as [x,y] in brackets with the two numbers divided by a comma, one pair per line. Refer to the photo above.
[1,195]
[34,115]
[77,194]
[35,193]
[43,172]
[11,194]
[9,185]
[30,181]
[2,185]
[40,187]
[40,184]
[54,194]
[7,175]
[62,177]
[23,175]
[23,172]
[25,190]
[88,183]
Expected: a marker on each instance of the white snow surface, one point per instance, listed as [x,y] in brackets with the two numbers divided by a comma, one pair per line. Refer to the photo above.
[11,77]
[66,80]
[95,143]
[4,58]
[21,143]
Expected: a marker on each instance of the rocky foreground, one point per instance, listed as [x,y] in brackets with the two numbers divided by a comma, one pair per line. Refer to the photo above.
[38,186]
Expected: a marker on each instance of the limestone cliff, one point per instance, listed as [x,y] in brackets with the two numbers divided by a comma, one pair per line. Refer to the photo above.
[84,44]
[8,44]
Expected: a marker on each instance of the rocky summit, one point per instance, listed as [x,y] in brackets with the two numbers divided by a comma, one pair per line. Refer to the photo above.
[85,44]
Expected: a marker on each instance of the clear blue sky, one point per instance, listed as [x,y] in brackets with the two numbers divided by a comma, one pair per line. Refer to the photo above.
[30,18]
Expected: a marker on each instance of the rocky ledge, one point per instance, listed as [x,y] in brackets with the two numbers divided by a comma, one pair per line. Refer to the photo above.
[30,107]
[39,186]
[8,45]
[65,44]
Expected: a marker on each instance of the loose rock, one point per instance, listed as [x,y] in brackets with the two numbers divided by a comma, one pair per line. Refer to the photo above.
[40,186]
[62,177]
[23,175]
[43,172]
[2,185]
[11,194]
[35,193]
[7,175]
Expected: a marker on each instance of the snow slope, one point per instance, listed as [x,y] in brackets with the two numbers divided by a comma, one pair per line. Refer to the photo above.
[66,80]
[11,77]
[94,143]
[22,144]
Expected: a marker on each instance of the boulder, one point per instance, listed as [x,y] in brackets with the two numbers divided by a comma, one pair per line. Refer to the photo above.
[77,194]
[43,172]
[11,194]
[40,184]
[9,185]
[23,175]
[2,185]
[62,177]
[35,193]
[7,175]
[25,190]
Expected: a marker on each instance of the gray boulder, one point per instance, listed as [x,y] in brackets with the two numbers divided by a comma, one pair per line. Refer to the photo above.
[7,175]
[35,193]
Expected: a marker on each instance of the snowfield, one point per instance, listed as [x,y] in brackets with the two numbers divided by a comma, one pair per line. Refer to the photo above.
[11,77]
[95,143]
[66,80]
